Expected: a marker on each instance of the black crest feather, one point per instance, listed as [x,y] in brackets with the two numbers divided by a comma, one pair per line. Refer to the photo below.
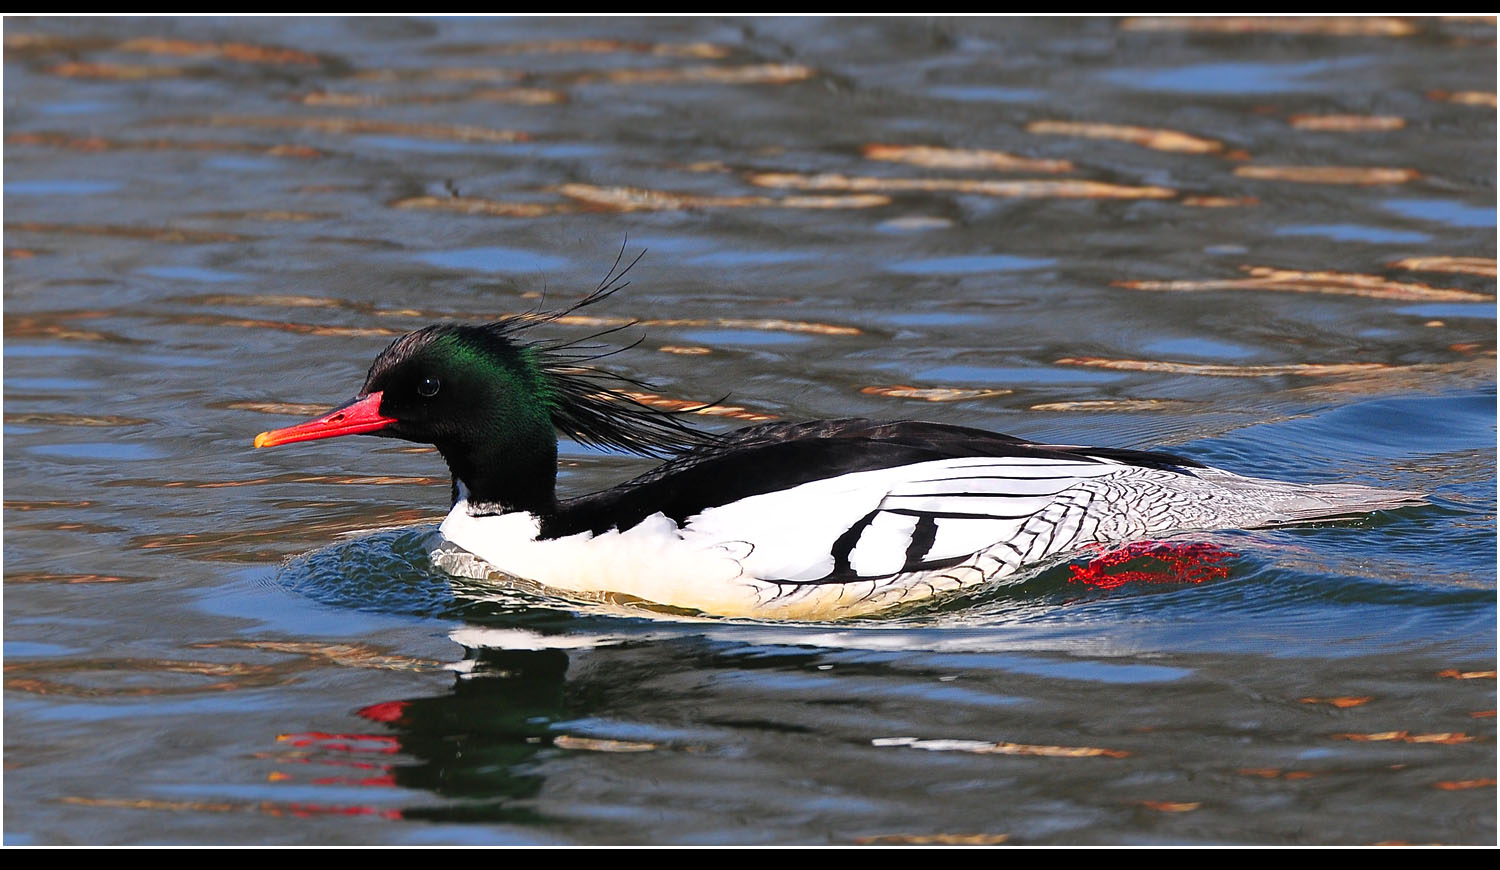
[590,404]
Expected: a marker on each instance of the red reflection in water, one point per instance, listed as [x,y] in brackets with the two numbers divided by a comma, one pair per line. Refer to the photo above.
[342,742]
[389,711]
[385,781]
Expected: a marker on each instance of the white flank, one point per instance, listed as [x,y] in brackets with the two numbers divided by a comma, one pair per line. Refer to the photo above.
[949,525]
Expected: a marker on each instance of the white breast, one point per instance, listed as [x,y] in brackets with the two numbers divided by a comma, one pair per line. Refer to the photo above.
[650,562]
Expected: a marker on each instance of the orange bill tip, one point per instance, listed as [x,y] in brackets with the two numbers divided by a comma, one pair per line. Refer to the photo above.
[360,415]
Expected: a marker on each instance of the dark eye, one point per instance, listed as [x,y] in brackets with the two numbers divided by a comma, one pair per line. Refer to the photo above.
[429,387]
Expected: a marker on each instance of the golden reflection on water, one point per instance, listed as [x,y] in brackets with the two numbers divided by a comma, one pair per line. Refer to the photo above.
[1347,123]
[1362,175]
[1223,370]
[932,840]
[1458,265]
[688,405]
[933,157]
[983,747]
[1329,282]
[236,51]
[1025,189]
[519,96]
[104,420]
[1483,99]
[1444,737]
[699,50]
[482,206]
[933,394]
[1340,702]
[51,577]
[125,72]
[751,74]
[1320,26]
[1149,137]
[641,199]
[363,126]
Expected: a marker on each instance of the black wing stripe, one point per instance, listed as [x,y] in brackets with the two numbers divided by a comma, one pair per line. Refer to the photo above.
[957,515]
[922,539]
[844,545]
[1026,495]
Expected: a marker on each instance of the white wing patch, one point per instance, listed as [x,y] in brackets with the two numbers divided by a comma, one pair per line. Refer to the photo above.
[956,538]
[881,548]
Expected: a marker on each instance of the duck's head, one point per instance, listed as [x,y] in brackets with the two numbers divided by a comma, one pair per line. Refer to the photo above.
[493,405]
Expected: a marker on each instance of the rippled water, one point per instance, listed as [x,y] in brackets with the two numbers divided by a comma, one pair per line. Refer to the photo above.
[1270,248]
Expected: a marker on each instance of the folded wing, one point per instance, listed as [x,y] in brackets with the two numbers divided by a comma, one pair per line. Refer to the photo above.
[879,524]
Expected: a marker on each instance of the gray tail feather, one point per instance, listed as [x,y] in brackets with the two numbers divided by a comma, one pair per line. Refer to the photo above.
[1259,503]
[1338,501]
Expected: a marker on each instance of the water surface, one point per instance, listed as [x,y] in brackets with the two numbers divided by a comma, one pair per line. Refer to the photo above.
[1099,231]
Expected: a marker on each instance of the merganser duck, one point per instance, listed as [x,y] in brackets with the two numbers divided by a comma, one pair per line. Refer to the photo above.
[807,521]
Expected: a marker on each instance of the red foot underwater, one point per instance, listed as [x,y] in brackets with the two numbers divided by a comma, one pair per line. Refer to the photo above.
[1153,562]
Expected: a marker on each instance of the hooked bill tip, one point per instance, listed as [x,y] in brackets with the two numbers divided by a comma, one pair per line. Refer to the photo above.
[263,439]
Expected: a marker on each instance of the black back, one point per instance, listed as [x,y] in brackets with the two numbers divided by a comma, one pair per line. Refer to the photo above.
[777,456]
